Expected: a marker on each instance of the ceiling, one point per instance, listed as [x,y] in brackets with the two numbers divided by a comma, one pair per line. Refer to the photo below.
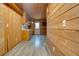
[34,10]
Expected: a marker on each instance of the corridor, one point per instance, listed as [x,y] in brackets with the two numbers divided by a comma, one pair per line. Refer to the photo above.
[35,47]
[36,29]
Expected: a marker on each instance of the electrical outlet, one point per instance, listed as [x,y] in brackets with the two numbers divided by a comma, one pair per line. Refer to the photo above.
[53,48]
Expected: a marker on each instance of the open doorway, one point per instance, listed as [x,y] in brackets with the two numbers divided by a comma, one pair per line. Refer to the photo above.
[37,28]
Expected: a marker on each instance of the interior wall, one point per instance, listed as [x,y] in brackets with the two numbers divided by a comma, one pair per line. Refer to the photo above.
[63,29]
[11,35]
[43,28]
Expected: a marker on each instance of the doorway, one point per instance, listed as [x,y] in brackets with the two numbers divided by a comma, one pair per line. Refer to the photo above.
[37,28]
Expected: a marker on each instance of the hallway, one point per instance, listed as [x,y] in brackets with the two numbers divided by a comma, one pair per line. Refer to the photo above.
[36,29]
[35,47]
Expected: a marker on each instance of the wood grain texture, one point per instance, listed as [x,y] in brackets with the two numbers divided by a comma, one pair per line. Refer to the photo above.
[15,7]
[65,39]
[12,28]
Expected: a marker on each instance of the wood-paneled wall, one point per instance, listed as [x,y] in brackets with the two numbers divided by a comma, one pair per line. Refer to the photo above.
[15,7]
[63,28]
[10,28]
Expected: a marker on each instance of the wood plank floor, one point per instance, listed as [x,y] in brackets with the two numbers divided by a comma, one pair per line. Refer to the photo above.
[35,47]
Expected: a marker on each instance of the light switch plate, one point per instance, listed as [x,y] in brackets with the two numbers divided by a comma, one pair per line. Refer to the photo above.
[64,23]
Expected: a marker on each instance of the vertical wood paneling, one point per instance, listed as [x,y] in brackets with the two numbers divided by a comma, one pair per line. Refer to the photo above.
[10,34]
